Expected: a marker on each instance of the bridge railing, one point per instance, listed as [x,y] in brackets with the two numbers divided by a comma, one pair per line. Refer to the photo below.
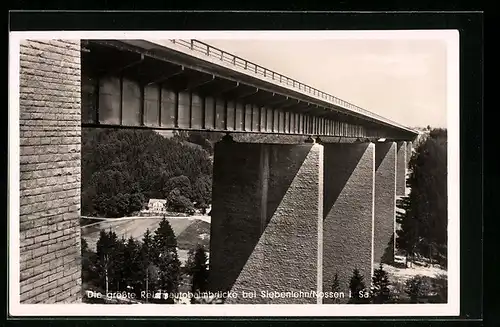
[278,78]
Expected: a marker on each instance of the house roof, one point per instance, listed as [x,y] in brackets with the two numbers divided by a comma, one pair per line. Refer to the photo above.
[151,201]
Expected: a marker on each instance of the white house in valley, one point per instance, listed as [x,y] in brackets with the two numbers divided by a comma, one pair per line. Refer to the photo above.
[157,205]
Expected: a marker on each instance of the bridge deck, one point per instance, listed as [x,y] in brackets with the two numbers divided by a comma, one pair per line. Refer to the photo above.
[179,84]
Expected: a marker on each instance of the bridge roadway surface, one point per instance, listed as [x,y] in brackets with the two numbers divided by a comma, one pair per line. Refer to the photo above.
[187,84]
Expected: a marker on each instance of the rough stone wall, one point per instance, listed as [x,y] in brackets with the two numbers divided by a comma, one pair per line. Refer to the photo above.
[50,171]
[348,213]
[401,164]
[385,202]
[280,241]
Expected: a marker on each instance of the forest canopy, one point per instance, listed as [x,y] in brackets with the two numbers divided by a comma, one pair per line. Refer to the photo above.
[122,169]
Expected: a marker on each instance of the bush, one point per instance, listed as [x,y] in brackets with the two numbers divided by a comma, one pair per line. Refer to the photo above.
[181,183]
[417,288]
[179,203]
[440,289]
[136,202]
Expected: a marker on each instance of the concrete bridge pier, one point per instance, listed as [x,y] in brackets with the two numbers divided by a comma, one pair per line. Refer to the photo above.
[409,151]
[290,217]
[385,202]
[349,196]
[267,220]
[401,164]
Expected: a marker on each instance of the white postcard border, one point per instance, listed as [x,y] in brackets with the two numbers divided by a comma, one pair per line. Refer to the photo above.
[451,37]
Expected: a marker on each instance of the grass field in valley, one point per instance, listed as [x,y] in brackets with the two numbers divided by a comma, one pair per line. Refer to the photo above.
[188,230]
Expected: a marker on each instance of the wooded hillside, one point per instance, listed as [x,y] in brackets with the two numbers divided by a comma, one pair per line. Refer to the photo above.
[122,169]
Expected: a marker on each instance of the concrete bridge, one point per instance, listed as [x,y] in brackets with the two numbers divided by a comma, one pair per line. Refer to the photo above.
[286,217]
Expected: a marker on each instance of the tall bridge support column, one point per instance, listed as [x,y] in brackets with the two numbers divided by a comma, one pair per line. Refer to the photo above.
[385,202]
[409,152]
[401,164]
[50,129]
[267,220]
[349,194]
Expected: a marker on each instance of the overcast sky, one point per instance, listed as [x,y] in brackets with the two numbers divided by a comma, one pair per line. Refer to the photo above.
[403,80]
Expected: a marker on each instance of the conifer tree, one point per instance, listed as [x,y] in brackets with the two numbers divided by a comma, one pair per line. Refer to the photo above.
[336,286]
[380,286]
[119,265]
[197,268]
[90,274]
[132,257]
[424,227]
[357,288]
[105,249]
[148,266]
[169,269]
[166,258]
[408,236]
[164,237]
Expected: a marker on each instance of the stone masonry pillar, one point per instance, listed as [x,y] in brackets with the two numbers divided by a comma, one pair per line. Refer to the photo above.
[348,214]
[401,164]
[267,220]
[385,202]
[50,268]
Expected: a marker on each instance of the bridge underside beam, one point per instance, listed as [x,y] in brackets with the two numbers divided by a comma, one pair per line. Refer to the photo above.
[141,91]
